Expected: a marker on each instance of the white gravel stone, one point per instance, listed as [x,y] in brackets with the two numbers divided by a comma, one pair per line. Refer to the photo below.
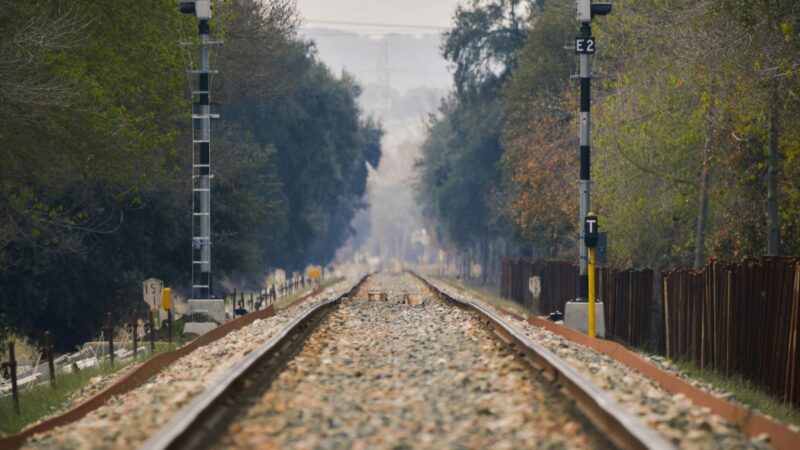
[673,416]
[126,421]
[384,375]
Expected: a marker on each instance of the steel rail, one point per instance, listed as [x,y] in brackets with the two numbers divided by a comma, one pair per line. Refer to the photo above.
[620,426]
[188,428]
[210,406]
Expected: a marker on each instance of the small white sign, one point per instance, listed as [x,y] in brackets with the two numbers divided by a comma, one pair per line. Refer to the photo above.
[152,288]
[535,286]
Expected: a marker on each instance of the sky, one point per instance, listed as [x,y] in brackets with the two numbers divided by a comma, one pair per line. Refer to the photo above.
[392,43]
[393,48]
[424,13]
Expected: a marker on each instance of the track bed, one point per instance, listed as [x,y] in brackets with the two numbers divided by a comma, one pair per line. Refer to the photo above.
[382,374]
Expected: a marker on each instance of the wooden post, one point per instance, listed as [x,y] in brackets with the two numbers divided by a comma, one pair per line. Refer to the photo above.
[110,332]
[135,334]
[12,364]
[48,349]
[169,326]
[152,333]
[233,304]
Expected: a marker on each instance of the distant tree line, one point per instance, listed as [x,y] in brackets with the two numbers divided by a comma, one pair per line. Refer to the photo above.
[95,135]
[696,141]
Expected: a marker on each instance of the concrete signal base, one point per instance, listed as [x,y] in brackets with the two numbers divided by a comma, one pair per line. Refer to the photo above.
[576,316]
[213,309]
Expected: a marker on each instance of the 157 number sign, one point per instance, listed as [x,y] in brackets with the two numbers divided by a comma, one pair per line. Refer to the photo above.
[584,45]
[152,288]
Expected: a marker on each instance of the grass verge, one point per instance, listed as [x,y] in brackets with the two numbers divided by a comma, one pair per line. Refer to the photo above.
[744,392]
[44,400]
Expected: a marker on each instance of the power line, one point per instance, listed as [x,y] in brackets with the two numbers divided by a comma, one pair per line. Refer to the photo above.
[374,24]
[350,33]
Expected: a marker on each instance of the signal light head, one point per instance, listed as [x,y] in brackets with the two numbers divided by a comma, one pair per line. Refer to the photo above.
[587,10]
[600,9]
[186,7]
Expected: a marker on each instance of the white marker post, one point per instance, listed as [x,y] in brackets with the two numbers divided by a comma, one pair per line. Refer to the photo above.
[152,289]
[535,286]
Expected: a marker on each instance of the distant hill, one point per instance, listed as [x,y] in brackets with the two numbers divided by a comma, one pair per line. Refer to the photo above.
[404,61]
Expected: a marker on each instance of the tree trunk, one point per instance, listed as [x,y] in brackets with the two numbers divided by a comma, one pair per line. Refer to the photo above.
[773,230]
[705,178]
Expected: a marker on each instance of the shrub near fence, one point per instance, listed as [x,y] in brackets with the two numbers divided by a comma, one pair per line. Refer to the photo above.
[739,318]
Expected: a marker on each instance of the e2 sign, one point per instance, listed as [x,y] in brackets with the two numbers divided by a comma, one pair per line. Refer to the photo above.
[584,45]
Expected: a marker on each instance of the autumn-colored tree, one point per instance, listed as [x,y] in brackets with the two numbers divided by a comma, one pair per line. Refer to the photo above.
[540,167]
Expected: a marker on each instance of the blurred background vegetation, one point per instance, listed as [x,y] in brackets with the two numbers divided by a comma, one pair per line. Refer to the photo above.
[696,133]
[95,134]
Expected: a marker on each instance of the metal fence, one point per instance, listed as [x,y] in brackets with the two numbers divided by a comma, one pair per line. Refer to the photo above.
[627,294]
[627,297]
[559,281]
[737,318]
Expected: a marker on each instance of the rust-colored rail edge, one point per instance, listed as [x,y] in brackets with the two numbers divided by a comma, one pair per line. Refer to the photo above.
[621,427]
[750,422]
[140,375]
[178,431]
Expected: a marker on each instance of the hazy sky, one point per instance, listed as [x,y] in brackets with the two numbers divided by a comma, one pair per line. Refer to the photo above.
[399,40]
[428,13]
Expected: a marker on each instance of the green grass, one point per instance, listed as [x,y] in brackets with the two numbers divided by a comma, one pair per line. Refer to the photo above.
[745,392]
[285,301]
[44,400]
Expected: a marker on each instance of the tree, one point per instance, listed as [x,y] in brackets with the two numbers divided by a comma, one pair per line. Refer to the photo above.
[459,173]
[94,125]
[540,164]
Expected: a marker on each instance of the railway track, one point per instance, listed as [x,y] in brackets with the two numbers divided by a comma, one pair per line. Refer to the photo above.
[429,373]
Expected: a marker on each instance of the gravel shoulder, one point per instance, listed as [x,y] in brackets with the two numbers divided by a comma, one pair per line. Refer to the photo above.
[128,420]
[673,416]
[387,375]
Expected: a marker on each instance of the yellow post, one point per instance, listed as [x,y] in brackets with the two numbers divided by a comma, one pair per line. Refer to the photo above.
[166,299]
[592,293]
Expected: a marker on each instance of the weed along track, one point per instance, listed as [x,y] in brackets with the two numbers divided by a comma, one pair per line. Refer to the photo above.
[394,371]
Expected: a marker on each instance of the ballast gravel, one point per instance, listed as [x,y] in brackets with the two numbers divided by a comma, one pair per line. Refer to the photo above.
[126,421]
[387,375]
[674,416]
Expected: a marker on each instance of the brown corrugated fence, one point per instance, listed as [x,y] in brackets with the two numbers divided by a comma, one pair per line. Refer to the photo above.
[738,318]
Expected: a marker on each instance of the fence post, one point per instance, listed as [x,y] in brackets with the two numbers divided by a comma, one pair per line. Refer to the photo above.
[135,334]
[12,364]
[48,349]
[110,332]
[169,326]
[152,333]
[233,304]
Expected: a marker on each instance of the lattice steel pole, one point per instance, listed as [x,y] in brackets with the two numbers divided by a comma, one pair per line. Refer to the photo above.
[202,281]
